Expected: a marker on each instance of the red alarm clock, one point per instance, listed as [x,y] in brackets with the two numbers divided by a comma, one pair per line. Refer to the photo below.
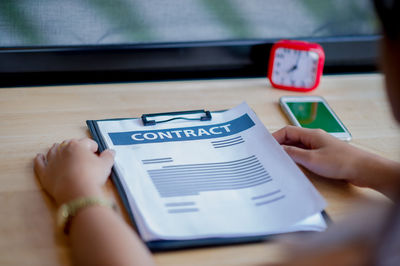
[296,65]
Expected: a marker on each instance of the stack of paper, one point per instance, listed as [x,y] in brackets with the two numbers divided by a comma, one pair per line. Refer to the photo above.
[223,178]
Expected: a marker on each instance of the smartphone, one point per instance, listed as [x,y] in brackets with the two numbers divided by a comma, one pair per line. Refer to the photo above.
[313,112]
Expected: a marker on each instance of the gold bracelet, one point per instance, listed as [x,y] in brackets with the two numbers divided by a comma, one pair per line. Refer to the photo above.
[68,210]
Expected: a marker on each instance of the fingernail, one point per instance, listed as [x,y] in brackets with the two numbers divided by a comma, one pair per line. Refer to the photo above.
[113,152]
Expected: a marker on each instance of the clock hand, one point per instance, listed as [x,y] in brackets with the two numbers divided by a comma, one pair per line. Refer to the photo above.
[293,68]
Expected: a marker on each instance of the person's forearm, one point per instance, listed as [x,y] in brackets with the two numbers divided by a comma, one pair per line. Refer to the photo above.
[99,236]
[377,173]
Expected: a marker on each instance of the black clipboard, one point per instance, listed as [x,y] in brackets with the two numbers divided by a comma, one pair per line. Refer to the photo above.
[166,245]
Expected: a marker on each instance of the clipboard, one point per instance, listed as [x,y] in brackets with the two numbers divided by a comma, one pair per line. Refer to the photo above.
[168,245]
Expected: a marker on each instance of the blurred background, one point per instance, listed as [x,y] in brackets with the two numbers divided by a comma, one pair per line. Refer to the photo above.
[153,36]
[93,22]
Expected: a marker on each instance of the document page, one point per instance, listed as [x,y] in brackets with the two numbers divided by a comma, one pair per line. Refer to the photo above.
[226,177]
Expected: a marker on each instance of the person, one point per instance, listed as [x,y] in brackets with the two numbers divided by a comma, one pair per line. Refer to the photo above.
[99,236]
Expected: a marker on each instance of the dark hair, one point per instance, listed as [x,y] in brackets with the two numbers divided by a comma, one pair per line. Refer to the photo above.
[388,12]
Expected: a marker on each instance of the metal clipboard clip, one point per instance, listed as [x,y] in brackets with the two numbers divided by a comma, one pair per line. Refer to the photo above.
[206,117]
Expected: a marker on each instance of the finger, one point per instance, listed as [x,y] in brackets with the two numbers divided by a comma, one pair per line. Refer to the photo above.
[52,151]
[90,144]
[108,158]
[292,135]
[65,142]
[282,135]
[63,145]
[39,165]
[279,135]
[300,156]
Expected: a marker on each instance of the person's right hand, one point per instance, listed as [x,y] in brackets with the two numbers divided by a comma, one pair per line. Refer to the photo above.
[72,169]
[322,153]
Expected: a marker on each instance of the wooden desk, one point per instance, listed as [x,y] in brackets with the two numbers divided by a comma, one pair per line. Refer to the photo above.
[33,118]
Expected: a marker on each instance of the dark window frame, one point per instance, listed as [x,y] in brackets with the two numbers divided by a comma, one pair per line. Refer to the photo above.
[170,61]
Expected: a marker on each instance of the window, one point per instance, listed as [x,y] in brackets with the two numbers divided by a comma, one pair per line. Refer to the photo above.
[178,38]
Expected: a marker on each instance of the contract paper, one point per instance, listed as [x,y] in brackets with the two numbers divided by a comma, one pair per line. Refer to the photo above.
[227,177]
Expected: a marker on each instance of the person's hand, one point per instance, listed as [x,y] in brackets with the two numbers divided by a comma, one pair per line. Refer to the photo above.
[322,153]
[72,169]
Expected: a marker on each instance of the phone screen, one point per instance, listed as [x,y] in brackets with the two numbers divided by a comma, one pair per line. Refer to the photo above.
[315,115]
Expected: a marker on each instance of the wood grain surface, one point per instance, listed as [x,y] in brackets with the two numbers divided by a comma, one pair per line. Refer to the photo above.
[33,118]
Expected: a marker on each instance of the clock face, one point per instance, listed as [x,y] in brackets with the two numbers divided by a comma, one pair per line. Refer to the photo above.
[295,68]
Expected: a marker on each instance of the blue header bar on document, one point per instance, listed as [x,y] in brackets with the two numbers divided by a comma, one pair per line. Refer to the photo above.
[232,127]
